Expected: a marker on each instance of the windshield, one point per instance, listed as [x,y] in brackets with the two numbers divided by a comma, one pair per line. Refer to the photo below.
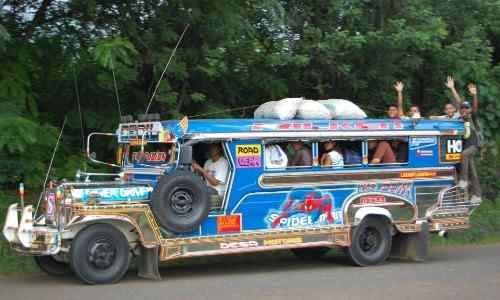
[154,153]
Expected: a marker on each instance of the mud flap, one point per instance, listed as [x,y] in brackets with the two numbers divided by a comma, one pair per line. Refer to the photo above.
[412,246]
[147,263]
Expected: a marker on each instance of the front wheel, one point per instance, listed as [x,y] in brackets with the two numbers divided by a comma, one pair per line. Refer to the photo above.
[371,242]
[100,254]
[52,265]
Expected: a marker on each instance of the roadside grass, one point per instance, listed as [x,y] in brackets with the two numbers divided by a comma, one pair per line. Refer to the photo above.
[485,229]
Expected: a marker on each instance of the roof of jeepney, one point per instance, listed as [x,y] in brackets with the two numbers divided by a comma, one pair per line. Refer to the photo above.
[199,126]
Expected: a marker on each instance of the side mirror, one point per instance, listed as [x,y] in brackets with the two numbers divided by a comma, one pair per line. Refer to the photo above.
[186,155]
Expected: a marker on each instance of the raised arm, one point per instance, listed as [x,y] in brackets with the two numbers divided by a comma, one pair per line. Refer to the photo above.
[450,83]
[399,86]
[473,92]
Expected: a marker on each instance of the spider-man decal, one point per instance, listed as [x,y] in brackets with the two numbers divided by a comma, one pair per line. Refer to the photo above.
[313,204]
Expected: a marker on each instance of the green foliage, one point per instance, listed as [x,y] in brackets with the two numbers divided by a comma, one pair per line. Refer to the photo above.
[234,54]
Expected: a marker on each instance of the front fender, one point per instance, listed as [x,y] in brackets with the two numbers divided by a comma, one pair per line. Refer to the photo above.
[133,227]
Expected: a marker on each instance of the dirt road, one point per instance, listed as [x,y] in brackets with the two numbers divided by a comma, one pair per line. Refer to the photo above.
[450,273]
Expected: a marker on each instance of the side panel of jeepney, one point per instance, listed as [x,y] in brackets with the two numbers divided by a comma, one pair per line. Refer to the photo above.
[262,199]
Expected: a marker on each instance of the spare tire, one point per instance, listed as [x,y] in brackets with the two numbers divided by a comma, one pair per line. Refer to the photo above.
[180,201]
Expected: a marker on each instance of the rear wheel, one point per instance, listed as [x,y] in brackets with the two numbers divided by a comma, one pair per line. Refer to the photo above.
[100,254]
[371,242]
[52,265]
[310,253]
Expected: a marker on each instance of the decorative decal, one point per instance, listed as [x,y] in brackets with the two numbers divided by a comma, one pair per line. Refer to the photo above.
[113,194]
[451,149]
[372,199]
[331,125]
[418,174]
[304,208]
[284,241]
[400,189]
[151,156]
[239,245]
[423,146]
[248,156]
[231,223]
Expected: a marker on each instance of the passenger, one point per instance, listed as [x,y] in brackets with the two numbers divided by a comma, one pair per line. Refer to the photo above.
[332,157]
[450,109]
[352,157]
[414,112]
[276,158]
[383,153]
[468,174]
[392,111]
[215,170]
[399,86]
[302,155]
[450,113]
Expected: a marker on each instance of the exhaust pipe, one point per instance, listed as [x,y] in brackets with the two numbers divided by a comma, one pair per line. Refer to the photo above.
[443,234]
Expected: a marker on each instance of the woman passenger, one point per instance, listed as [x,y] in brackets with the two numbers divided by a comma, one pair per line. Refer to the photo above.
[332,157]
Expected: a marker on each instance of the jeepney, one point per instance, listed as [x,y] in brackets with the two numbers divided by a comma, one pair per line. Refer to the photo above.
[154,208]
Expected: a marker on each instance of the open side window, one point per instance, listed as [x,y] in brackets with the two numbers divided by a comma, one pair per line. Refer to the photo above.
[289,154]
[388,151]
[340,153]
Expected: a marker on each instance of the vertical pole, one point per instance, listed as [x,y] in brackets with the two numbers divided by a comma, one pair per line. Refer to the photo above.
[21,194]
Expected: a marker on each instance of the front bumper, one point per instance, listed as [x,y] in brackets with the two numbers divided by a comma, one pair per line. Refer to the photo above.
[26,237]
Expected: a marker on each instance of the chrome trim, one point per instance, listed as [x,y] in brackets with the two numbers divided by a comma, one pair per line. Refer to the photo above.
[345,171]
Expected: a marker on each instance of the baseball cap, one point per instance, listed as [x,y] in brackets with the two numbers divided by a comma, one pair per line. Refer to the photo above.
[465,104]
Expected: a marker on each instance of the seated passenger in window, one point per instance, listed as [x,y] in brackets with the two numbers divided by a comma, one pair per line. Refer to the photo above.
[400,149]
[275,157]
[352,156]
[302,155]
[332,156]
[215,170]
[383,152]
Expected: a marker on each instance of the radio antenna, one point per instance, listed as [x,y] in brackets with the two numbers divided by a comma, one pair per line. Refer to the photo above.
[116,87]
[50,165]
[164,70]
[77,93]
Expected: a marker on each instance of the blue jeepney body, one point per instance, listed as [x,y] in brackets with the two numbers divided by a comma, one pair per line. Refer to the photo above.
[262,208]
[256,196]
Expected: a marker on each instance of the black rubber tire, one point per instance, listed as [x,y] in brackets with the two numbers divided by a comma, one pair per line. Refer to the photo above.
[371,242]
[84,246]
[51,266]
[181,201]
[310,253]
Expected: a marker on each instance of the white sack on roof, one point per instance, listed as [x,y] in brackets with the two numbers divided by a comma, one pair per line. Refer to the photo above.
[313,110]
[284,109]
[343,109]
[264,110]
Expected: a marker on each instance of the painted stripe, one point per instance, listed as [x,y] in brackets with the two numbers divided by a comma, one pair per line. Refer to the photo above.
[314,134]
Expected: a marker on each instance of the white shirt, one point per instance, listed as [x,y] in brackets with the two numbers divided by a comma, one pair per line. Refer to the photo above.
[336,158]
[275,157]
[218,169]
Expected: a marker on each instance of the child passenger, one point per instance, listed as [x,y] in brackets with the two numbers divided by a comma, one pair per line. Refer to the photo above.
[333,156]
